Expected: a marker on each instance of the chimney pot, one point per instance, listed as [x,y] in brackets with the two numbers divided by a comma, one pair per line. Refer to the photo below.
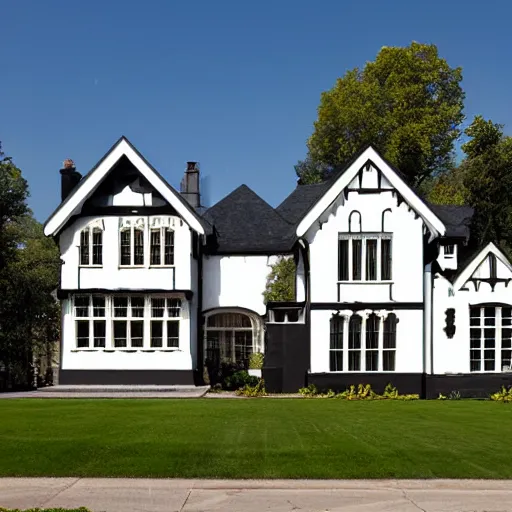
[190,185]
[68,164]
[192,166]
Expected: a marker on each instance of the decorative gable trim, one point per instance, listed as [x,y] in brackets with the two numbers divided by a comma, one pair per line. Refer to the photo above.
[73,203]
[370,157]
[468,272]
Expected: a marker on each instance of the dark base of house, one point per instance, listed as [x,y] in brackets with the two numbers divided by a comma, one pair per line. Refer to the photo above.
[427,386]
[128,377]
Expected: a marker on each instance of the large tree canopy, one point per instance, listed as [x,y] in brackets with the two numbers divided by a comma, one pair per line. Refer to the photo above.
[407,103]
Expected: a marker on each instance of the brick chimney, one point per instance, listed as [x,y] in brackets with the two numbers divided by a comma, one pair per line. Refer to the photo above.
[189,187]
[70,178]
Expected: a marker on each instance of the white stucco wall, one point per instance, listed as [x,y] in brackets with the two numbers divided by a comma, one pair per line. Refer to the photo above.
[111,275]
[236,281]
[407,250]
[453,355]
[409,352]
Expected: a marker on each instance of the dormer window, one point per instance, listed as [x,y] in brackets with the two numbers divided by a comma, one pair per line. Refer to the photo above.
[449,251]
[132,246]
[162,247]
[91,246]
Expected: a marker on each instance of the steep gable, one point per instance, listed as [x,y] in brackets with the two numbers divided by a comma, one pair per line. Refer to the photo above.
[121,150]
[368,171]
[244,223]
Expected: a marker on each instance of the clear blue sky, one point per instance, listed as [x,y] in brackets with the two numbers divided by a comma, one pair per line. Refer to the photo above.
[232,84]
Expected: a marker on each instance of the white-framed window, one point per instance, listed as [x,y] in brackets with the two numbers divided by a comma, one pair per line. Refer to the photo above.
[161,251]
[490,338]
[363,343]
[364,257]
[90,321]
[91,246]
[165,322]
[131,246]
[127,322]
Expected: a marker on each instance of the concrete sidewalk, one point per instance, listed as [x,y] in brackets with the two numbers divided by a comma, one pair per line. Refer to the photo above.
[130,495]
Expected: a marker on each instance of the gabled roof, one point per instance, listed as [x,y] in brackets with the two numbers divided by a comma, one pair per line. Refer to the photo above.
[300,201]
[457,219]
[244,223]
[467,269]
[344,177]
[89,183]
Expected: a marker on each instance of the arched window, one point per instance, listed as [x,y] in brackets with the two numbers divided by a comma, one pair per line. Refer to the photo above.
[91,246]
[231,337]
[336,346]
[354,343]
[389,343]
[372,343]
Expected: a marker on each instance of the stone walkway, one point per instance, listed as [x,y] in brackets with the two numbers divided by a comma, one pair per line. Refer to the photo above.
[130,495]
[112,392]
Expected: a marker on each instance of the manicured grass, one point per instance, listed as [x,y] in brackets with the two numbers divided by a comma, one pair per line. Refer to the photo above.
[269,438]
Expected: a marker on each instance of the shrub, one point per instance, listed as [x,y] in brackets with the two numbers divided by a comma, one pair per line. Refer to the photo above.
[239,380]
[454,395]
[503,395]
[253,391]
[442,397]
[309,391]
[256,361]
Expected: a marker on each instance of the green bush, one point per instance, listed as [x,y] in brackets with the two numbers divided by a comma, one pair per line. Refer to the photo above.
[310,390]
[239,380]
[253,391]
[359,392]
[256,361]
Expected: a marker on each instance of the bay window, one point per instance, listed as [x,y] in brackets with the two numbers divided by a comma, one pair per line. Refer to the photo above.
[127,322]
[363,342]
[364,257]
[490,338]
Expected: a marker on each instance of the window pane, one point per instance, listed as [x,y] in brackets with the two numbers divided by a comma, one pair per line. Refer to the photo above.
[336,361]
[125,247]
[229,320]
[372,360]
[343,260]
[475,337]
[155,250]
[354,333]
[120,330]
[474,314]
[137,333]
[475,365]
[173,334]
[156,334]
[389,335]
[138,247]
[97,249]
[121,306]
[98,307]
[385,260]
[489,360]
[137,304]
[99,333]
[82,333]
[492,266]
[371,259]
[82,306]
[372,332]
[84,247]
[489,341]
[357,247]
[337,333]
[243,347]
[213,348]
[169,246]
[354,361]
[157,307]
[506,316]
[489,314]
[506,359]
[388,360]
[174,308]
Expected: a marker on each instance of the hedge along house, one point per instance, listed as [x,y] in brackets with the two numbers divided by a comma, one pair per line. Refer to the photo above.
[153,286]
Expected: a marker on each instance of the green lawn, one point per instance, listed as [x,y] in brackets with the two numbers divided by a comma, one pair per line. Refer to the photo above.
[270,438]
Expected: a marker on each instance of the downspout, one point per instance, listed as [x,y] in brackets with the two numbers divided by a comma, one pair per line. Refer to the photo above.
[307,307]
[199,329]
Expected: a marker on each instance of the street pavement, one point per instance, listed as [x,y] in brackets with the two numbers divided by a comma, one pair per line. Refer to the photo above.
[159,495]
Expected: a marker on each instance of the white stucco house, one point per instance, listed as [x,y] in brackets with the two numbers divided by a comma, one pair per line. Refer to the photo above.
[388,287]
